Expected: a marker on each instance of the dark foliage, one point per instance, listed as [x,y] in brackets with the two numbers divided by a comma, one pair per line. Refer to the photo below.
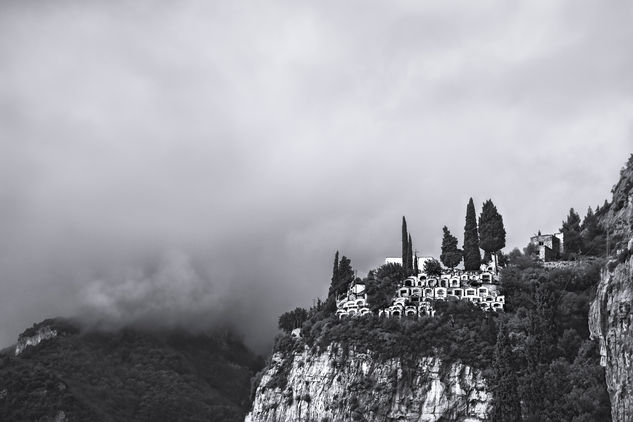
[451,255]
[593,236]
[507,404]
[571,233]
[293,319]
[460,331]
[492,234]
[129,376]
[409,267]
[394,272]
[472,255]
[342,277]
[381,290]
[433,267]
[557,368]
[405,245]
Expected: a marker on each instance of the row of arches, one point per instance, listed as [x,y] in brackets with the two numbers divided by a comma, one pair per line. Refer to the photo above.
[447,280]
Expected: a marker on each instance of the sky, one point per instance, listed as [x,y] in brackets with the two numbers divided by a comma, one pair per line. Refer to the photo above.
[199,162]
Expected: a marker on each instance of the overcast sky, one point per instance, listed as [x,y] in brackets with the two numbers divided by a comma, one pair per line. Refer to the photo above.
[192,160]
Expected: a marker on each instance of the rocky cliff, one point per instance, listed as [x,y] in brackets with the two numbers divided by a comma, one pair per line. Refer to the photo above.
[610,318]
[40,335]
[338,385]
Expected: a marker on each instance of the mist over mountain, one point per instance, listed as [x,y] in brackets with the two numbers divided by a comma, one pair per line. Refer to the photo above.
[174,176]
[253,141]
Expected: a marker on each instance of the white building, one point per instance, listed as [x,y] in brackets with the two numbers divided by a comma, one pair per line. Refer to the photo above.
[421,261]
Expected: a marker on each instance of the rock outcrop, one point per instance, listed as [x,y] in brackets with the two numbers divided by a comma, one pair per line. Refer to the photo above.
[339,386]
[41,334]
[610,317]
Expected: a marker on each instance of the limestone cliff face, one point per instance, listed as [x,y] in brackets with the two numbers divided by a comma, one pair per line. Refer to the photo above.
[336,386]
[610,317]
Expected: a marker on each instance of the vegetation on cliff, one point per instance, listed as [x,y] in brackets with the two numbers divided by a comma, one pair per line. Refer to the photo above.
[129,375]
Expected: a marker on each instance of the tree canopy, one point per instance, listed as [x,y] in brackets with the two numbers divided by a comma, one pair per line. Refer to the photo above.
[293,319]
[342,276]
[451,255]
[492,234]
[472,256]
[571,232]
[433,267]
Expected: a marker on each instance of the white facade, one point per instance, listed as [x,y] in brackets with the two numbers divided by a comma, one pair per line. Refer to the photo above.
[421,261]
[415,295]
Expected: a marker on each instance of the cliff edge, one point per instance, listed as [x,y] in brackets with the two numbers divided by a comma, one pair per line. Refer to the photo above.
[610,318]
[338,385]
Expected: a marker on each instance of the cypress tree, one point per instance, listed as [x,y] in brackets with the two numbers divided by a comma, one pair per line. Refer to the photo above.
[342,277]
[416,270]
[571,232]
[405,244]
[593,236]
[492,234]
[345,274]
[472,256]
[451,255]
[410,256]
[335,269]
[507,405]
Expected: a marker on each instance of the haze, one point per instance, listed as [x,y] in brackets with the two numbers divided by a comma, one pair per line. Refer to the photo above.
[199,162]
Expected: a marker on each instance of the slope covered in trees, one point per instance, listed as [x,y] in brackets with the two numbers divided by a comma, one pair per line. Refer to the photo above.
[129,375]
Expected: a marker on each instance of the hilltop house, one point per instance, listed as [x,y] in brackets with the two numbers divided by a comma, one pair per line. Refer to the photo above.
[550,246]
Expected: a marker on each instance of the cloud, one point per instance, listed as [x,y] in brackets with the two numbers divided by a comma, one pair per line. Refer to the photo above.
[154,151]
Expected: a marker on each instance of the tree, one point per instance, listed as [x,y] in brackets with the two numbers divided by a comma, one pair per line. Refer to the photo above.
[451,255]
[433,267]
[394,272]
[507,405]
[405,244]
[571,233]
[416,270]
[593,236]
[410,255]
[292,319]
[342,276]
[492,234]
[335,270]
[472,256]
[345,273]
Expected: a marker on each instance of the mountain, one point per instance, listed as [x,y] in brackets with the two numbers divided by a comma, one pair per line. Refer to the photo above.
[58,373]
[561,351]
[611,319]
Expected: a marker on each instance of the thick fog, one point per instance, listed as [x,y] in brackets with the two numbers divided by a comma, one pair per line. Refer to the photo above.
[199,162]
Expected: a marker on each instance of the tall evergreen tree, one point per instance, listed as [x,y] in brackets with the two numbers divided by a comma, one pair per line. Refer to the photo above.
[472,256]
[571,232]
[342,276]
[593,236]
[345,274]
[334,279]
[492,234]
[405,244]
[451,255]
[507,404]
[410,256]
[416,270]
